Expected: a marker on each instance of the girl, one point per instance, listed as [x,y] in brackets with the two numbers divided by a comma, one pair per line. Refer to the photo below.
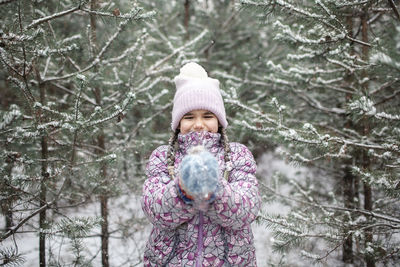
[211,228]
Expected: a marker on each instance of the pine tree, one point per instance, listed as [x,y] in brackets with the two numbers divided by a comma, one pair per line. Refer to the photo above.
[49,161]
[91,90]
[336,111]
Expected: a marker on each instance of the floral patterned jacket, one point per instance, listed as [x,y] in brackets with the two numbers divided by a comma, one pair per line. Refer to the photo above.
[184,236]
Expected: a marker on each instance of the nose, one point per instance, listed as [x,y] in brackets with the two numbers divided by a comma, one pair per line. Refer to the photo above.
[198,125]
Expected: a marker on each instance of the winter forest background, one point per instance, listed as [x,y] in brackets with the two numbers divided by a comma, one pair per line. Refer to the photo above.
[311,86]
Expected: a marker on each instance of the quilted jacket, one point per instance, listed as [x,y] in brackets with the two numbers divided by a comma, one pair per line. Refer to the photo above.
[184,236]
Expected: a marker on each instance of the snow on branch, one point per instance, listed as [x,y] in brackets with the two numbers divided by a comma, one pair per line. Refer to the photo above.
[153,99]
[245,124]
[128,51]
[13,39]
[330,84]
[71,38]
[351,3]
[178,50]
[290,134]
[98,57]
[383,58]
[46,52]
[144,87]
[10,116]
[317,105]
[51,17]
[342,33]
[382,180]
[227,76]
[340,63]
[366,106]
[28,94]
[383,115]
[258,113]
[288,33]
[302,70]
[293,135]
[118,110]
[112,39]
[283,4]
[66,116]
[129,16]
[377,215]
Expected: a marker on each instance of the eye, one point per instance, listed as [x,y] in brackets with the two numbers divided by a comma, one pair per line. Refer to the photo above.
[209,116]
[188,117]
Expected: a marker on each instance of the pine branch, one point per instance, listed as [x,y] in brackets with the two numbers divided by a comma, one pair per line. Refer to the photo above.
[317,105]
[51,17]
[291,134]
[384,217]
[330,251]
[63,88]
[385,85]
[98,58]
[127,51]
[145,121]
[347,4]
[177,50]
[121,16]
[260,114]
[24,74]
[292,8]
[14,229]
[258,82]
[388,98]
[393,6]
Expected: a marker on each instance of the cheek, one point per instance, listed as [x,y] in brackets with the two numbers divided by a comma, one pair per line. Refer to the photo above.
[213,126]
[184,127]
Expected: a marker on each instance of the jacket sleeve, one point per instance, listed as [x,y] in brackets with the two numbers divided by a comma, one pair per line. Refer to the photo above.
[160,201]
[239,201]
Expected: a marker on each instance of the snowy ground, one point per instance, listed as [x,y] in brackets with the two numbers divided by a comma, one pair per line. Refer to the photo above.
[124,250]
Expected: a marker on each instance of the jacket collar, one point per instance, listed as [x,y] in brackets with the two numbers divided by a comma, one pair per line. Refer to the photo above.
[211,141]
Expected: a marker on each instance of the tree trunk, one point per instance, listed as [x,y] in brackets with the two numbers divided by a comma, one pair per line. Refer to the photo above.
[349,180]
[100,152]
[348,197]
[6,205]
[43,185]
[186,18]
[104,209]
[366,163]
[9,217]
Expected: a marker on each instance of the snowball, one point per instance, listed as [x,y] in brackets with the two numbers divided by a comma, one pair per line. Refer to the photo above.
[199,173]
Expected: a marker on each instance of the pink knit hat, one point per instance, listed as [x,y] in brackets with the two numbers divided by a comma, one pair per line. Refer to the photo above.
[195,90]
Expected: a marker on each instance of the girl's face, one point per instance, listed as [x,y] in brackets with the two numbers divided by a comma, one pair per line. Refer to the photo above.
[199,120]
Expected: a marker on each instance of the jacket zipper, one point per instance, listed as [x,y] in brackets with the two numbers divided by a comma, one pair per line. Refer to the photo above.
[200,241]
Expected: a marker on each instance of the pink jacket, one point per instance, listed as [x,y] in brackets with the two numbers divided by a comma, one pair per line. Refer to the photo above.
[184,236]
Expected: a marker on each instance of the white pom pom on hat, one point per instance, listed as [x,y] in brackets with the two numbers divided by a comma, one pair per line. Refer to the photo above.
[193,70]
[195,90]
